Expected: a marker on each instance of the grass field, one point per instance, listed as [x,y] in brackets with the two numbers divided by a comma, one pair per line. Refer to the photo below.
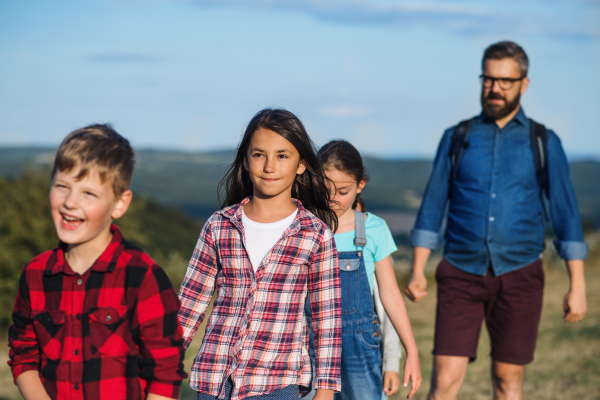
[567,363]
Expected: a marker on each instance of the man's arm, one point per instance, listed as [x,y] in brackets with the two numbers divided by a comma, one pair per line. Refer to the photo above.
[416,287]
[566,220]
[425,235]
[575,303]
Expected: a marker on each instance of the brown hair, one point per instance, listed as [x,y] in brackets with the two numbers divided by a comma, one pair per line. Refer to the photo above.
[310,187]
[97,146]
[342,156]
[506,49]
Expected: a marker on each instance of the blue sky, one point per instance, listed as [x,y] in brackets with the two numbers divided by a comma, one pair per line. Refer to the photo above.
[387,75]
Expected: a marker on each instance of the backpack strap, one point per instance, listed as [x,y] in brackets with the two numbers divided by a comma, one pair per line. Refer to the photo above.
[538,139]
[360,235]
[459,144]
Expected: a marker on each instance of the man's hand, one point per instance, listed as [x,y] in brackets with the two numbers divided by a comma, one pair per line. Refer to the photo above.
[416,287]
[574,306]
[391,382]
[574,303]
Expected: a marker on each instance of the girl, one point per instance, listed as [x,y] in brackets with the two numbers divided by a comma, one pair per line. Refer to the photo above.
[364,244]
[267,250]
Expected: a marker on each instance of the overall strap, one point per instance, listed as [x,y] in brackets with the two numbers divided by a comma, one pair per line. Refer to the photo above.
[360,236]
[459,144]
[538,139]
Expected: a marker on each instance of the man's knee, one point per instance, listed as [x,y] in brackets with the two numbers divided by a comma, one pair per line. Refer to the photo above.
[448,376]
[507,379]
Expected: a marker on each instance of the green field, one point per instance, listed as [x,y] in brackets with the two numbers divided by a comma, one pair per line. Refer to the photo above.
[179,184]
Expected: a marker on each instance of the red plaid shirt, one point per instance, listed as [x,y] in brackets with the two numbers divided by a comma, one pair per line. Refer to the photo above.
[257,334]
[111,333]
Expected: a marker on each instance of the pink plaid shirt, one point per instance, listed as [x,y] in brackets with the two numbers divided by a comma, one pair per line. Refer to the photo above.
[257,334]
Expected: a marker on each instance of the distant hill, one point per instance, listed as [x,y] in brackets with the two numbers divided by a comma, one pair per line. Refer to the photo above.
[189,181]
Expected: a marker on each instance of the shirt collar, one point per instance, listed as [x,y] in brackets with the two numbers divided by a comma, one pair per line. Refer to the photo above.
[105,263]
[519,117]
[303,220]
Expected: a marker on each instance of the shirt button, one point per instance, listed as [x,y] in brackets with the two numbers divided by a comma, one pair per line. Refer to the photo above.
[108,318]
[79,281]
[493,195]
[492,219]
[76,352]
[78,316]
[77,386]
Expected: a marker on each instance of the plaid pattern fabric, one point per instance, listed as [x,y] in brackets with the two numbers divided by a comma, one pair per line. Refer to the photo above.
[111,333]
[257,333]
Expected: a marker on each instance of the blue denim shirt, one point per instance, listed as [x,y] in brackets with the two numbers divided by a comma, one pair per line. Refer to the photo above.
[495,213]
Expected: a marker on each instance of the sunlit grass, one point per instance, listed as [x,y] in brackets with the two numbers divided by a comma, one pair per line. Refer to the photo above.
[567,360]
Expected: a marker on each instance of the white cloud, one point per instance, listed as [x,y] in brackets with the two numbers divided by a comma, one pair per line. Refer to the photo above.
[345,111]
[464,17]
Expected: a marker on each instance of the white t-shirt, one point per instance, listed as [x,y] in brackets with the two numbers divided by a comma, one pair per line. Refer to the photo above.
[260,238]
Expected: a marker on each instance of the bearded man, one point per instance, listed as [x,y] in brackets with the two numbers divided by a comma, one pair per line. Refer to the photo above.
[491,268]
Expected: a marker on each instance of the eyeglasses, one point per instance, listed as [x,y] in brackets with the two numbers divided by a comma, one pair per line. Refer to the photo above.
[504,83]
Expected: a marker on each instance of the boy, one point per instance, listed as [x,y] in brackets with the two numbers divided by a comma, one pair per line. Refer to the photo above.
[95,318]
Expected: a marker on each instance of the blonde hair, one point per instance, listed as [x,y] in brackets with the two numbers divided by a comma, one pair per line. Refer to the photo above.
[97,146]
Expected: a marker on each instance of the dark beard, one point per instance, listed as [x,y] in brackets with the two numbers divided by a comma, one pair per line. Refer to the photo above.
[496,112]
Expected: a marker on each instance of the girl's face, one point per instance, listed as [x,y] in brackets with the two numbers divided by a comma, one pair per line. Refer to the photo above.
[273,163]
[345,190]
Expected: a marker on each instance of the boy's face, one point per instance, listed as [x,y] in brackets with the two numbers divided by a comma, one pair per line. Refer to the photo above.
[83,209]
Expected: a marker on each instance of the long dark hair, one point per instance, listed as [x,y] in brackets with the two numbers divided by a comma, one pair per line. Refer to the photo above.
[311,187]
[342,156]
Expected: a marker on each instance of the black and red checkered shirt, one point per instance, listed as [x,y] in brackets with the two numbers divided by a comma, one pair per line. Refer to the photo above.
[111,333]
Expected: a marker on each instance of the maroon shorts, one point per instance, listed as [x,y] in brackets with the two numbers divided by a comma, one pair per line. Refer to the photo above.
[510,303]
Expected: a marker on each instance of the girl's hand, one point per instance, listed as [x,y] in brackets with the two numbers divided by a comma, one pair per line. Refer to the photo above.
[412,371]
[324,394]
[391,382]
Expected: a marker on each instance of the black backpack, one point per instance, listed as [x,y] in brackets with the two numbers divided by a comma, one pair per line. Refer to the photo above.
[538,140]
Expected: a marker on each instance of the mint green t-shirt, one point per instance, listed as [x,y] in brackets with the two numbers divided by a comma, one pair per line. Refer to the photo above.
[380,244]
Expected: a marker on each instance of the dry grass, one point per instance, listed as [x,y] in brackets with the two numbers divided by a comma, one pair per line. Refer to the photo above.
[567,360]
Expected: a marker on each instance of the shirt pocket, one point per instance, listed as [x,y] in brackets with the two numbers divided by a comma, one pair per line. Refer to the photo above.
[49,329]
[109,332]
[349,280]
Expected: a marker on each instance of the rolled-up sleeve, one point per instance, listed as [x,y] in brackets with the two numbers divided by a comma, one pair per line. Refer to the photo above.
[564,210]
[24,349]
[198,285]
[431,213]
[161,344]
[326,307]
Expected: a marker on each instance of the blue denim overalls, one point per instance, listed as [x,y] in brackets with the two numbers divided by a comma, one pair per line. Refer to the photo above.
[361,339]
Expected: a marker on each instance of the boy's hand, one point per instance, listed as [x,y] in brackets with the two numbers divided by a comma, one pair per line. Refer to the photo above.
[416,287]
[31,387]
[391,382]
[574,306]
[412,371]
